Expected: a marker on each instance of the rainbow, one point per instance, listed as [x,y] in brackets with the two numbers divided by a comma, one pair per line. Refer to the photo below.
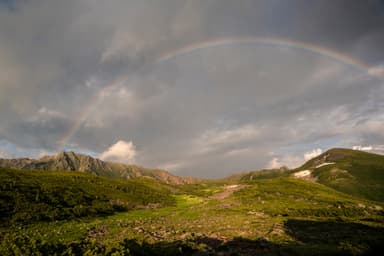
[272,42]
[82,116]
[189,49]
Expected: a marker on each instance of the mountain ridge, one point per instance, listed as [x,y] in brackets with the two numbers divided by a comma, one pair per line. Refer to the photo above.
[353,172]
[71,161]
[350,171]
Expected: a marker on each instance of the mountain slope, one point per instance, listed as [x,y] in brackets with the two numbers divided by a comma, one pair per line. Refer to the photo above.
[350,171]
[29,196]
[71,161]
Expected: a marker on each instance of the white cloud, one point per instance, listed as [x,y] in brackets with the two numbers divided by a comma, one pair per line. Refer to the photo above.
[115,90]
[364,148]
[371,148]
[274,163]
[121,151]
[289,161]
[293,161]
[4,154]
[43,153]
[311,154]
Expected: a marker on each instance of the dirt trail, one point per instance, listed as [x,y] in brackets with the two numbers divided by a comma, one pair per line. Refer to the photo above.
[228,190]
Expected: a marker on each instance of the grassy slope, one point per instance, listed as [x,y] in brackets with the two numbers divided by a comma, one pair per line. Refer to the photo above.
[364,176]
[265,174]
[267,216]
[299,198]
[27,196]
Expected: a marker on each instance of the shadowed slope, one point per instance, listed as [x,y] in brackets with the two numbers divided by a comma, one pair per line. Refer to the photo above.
[28,196]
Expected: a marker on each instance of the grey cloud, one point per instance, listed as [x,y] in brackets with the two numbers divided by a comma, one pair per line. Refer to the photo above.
[170,124]
[39,131]
[95,64]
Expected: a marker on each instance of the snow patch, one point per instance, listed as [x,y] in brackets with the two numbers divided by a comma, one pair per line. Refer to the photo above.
[323,164]
[302,174]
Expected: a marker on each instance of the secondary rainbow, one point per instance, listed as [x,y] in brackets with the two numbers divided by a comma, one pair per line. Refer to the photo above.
[189,49]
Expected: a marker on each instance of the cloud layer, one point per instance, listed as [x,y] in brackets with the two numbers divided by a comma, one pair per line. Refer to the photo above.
[85,74]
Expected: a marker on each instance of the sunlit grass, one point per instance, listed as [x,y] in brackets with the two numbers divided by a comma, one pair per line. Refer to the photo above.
[263,211]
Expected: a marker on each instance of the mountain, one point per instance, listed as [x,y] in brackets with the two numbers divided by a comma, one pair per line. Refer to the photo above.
[70,161]
[354,172]
[350,171]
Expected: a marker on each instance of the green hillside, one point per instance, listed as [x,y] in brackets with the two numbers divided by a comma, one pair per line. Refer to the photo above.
[294,197]
[28,196]
[350,171]
[69,213]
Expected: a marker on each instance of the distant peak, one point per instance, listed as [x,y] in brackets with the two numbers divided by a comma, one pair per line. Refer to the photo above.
[61,154]
[67,153]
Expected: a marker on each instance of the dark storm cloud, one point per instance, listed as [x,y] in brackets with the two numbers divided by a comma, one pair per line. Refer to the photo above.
[41,133]
[346,25]
[86,74]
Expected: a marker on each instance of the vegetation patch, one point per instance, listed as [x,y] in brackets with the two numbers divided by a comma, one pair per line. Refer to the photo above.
[28,196]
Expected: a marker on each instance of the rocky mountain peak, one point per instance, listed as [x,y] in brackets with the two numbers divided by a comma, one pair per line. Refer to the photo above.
[71,161]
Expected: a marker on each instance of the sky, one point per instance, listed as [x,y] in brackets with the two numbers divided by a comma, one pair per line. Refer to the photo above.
[202,88]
